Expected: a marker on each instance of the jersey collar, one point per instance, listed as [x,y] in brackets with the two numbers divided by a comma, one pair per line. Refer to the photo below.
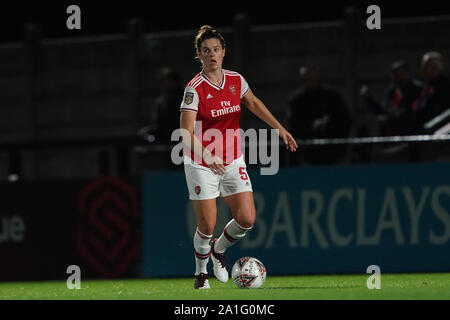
[222,82]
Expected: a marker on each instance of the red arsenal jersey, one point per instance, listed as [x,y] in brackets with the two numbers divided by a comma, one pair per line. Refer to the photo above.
[218,109]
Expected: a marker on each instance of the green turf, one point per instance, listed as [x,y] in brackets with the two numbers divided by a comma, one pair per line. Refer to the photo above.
[393,286]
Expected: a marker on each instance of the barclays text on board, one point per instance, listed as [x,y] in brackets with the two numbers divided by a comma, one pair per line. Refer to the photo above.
[325,219]
[319,215]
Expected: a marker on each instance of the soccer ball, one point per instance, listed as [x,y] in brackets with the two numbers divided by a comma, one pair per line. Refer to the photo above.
[248,272]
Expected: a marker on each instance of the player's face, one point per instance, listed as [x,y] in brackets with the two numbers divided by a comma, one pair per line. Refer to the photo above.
[211,54]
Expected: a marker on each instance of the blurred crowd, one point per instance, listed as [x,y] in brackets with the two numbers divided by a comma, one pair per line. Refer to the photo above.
[409,106]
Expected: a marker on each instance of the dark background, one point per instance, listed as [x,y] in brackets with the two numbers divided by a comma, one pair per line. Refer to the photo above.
[70,110]
[106,17]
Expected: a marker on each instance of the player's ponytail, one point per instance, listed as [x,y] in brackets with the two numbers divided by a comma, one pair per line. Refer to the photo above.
[207,32]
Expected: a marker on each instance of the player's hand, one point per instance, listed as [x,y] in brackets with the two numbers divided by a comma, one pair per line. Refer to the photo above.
[288,140]
[214,163]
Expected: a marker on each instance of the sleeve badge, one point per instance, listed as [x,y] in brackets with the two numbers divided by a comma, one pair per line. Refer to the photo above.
[188,98]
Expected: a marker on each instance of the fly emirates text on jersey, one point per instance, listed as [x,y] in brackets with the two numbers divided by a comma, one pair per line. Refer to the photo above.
[226,109]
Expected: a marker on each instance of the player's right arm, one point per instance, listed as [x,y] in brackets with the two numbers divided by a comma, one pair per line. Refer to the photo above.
[187,125]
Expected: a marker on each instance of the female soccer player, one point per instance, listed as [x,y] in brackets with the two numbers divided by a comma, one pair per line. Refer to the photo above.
[213,160]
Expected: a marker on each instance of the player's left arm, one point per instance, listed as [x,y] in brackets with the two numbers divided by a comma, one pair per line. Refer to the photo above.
[258,108]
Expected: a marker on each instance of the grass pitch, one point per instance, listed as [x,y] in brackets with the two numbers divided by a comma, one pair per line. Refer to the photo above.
[425,286]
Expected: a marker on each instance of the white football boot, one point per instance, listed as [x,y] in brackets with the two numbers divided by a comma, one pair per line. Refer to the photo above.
[220,266]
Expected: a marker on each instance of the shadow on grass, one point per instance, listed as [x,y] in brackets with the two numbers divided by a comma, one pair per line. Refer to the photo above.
[305,288]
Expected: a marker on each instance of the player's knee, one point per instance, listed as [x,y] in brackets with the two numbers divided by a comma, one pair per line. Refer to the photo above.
[247,220]
[248,223]
[206,227]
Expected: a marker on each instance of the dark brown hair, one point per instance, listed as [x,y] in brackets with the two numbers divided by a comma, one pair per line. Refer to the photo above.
[207,32]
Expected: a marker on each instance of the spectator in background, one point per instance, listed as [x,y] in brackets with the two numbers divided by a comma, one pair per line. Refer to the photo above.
[397,111]
[318,111]
[435,97]
[165,112]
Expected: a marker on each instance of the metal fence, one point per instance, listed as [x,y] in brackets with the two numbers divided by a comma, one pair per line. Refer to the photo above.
[72,107]
[131,155]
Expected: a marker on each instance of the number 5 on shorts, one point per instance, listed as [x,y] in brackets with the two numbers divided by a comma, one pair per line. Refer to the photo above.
[243,173]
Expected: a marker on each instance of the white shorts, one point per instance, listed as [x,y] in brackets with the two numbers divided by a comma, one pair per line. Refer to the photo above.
[204,184]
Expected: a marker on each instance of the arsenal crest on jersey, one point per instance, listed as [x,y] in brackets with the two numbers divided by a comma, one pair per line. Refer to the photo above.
[233,89]
[197,189]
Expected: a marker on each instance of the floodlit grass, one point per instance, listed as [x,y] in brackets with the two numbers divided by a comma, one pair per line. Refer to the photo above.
[434,286]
